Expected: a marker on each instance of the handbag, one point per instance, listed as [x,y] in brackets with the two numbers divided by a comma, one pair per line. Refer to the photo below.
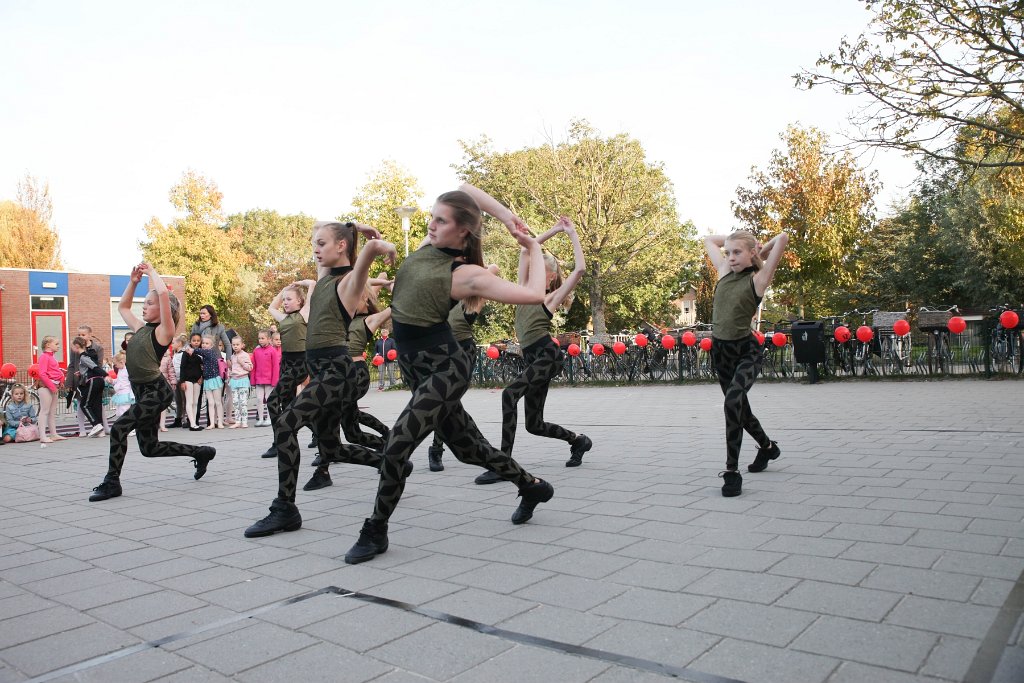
[25,433]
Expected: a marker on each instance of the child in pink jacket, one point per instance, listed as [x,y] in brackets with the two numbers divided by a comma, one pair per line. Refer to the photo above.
[50,378]
[266,366]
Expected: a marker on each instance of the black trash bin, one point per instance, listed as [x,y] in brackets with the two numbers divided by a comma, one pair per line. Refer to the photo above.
[809,345]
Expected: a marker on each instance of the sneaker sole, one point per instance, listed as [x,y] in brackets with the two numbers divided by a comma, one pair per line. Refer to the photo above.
[259,534]
[307,487]
[365,558]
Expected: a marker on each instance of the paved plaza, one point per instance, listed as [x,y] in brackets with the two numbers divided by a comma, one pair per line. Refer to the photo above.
[886,545]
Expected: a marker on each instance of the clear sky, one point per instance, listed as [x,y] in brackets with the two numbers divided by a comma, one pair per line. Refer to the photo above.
[290,105]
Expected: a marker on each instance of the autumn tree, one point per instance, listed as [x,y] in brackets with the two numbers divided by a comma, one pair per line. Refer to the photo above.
[705,301]
[825,203]
[930,71]
[639,254]
[386,189]
[27,238]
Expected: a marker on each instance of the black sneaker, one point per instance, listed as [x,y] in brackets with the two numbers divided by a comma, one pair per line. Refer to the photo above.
[321,479]
[763,456]
[314,442]
[284,516]
[532,494]
[580,445]
[373,541]
[316,460]
[110,488]
[270,452]
[488,477]
[733,483]
[203,456]
[434,459]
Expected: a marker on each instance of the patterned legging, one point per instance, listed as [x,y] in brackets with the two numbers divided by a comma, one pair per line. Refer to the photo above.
[353,417]
[438,377]
[468,346]
[331,387]
[543,362]
[293,373]
[143,416]
[738,363]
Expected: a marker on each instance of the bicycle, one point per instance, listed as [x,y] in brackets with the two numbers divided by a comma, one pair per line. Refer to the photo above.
[838,358]
[934,321]
[1005,345]
[31,395]
[778,361]
[861,352]
[893,349]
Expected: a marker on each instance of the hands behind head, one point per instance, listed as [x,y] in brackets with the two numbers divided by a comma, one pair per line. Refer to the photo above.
[136,276]
[367,231]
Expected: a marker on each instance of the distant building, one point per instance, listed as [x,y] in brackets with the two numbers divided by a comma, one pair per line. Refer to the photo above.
[38,303]
[687,309]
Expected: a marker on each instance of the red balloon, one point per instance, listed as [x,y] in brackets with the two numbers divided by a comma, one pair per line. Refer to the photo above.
[555,340]
[956,324]
[689,338]
[759,337]
[112,374]
[865,334]
[598,349]
[1009,319]
[574,349]
[842,334]
[901,327]
[619,348]
[378,360]
[8,370]
[392,354]
[492,352]
[668,342]
[33,371]
[640,340]
[779,339]
[705,343]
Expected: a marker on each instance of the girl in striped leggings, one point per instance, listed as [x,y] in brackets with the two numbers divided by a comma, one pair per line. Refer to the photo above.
[745,270]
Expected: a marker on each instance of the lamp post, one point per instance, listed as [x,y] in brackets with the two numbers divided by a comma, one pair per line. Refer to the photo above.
[405,212]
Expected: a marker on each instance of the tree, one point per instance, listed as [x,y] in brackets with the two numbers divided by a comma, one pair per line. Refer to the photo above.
[387,188]
[825,203]
[639,255]
[27,240]
[932,70]
[705,301]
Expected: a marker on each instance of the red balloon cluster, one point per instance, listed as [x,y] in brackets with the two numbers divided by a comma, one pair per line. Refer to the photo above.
[779,339]
[901,327]
[759,337]
[33,371]
[619,348]
[640,340]
[392,354]
[865,334]
[1009,319]
[689,338]
[668,342]
[574,350]
[8,371]
[492,352]
[842,334]
[598,349]
[705,344]
[378,360]
[956,324]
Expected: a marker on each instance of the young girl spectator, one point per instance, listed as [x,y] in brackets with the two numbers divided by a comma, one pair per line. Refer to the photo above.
[50,377]
[167,370]
[153,333]
[123,397]
[90,383]
[277,341]
[18,412]
[180,342]
[290,308]
[266,364]
[238,380]
[213,383]
[191,380]
[745,270]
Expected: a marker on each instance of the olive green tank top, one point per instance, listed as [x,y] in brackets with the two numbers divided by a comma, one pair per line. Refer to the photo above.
[461,323]
[293,333]
[358,336]
[423,288]
[143,361]
[734,306]
[328,321]
[533,323]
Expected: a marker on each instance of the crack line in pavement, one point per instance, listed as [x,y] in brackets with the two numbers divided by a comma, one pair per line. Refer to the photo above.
[986,659]
[681,672]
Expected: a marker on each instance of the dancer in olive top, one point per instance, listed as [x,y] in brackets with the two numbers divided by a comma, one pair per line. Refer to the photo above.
[153,334]
[745,270]
[290,308]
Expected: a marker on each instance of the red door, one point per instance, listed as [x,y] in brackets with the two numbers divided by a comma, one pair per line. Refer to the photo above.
[54,324]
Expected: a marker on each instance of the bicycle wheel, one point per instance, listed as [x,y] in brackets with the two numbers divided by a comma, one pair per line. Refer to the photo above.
[659,364]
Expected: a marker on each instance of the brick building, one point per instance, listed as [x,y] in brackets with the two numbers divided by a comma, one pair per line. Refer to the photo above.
[37,303]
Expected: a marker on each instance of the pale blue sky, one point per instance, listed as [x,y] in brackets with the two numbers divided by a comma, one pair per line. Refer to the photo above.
[290,105]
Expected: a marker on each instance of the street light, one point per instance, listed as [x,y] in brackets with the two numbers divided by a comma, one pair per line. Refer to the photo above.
[405,212]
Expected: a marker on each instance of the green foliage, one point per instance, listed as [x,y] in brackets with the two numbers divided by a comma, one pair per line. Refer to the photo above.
[27,240]
[639,256]
[705,301]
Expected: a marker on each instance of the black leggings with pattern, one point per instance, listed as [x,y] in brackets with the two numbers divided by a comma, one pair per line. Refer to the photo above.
[543,362]
[293,373]
[151,399]
[438,377]
[353,417]
[331,387]
[738,363]
[469,346]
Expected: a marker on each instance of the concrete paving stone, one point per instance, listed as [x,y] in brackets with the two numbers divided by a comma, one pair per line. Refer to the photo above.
[865,516]
[660,513]
[440,651]
[59,538]
[523,553]
[1005,514]
[660,551]
[571,592]
[133,557]
[204,580]
[957,497]
[651,529]
[178,624]
[257,556]
[742,540]
[948,540]
[746,661]
[789,527]
[464,546]
[781,511]
[298,567]
[852,672]
[624,674]
[608,508]
[722,521]
[951,658]
[23,603]
[603,542]
[524,664]
[609,496]
[749,621]
[558,624]
[56,651]
[481,606]
[361,626]
[882,645]
[663,644]
[658,575]
[803,545]
[745,560]
[834,500]
[45,569]
[353,577]
[145,608]
[166,569]
[892,554]
[1014,548]
[992,592]
[981,565]
[938,522]
[870,532]
[500,578]
[245,648]
[297,615]
[743,586]
[1005,500]
[943,616]
[584,563]
[653,606]
[399,676]
[414,538]
[414,590]
[839,600]
[25,627]
[106,592]
[141,667]
[320,662]
[925,582]
[252,593]
[1010,666]
[218,548]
